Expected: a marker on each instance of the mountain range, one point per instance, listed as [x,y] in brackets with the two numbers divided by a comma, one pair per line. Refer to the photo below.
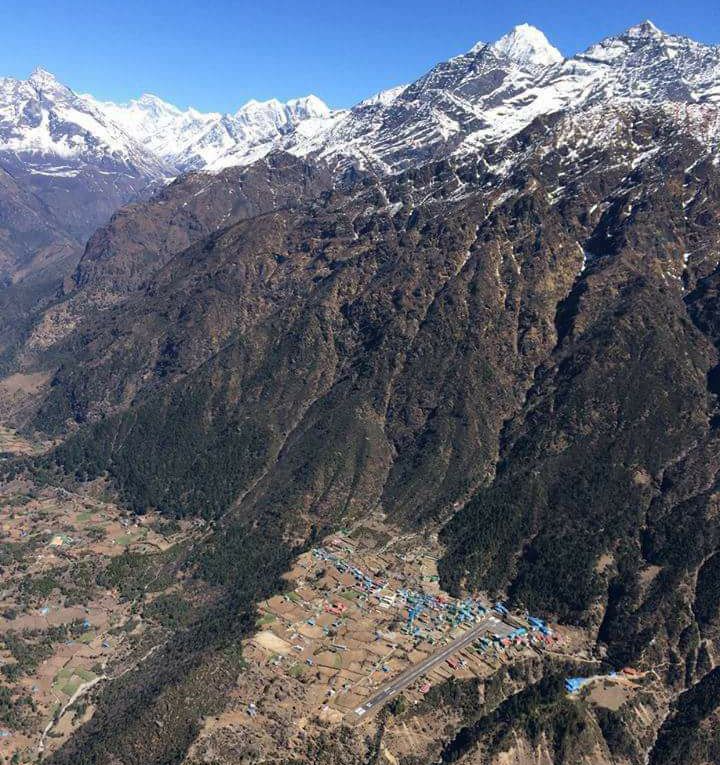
[475,99]
[481,307]
[82,158]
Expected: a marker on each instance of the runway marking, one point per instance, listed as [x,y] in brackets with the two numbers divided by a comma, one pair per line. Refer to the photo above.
[394,686]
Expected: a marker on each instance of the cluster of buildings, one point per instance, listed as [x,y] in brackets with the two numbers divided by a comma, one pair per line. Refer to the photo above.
[358,618]
[428,613]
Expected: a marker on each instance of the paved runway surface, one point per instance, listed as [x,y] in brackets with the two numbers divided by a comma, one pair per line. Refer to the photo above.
[489,622]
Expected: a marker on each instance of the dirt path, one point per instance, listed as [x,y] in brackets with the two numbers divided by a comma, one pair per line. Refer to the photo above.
[84,688]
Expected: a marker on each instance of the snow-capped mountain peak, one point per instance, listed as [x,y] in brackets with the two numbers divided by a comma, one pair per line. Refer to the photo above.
[645,29]
[309,106]
[152,104]
[255,129]
[157,125]
[46,86]
[526,45]
[41,79]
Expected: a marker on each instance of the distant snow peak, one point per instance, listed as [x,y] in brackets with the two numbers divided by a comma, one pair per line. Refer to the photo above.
[187,139]
[309,106]
[644,30]
[279,112]
[40,74]
[526,45]
[42,80]
[155,104]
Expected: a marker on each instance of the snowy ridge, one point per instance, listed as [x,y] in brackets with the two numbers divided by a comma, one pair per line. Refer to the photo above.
[260,126]
[43,123]
[42,119]
[473,101]
[490,94]
[193,140]
[157,125]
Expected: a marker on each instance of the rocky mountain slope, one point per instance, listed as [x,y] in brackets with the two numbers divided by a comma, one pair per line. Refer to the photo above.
[484,302]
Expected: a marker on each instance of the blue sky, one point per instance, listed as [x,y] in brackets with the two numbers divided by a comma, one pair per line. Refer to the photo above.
[218,54]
